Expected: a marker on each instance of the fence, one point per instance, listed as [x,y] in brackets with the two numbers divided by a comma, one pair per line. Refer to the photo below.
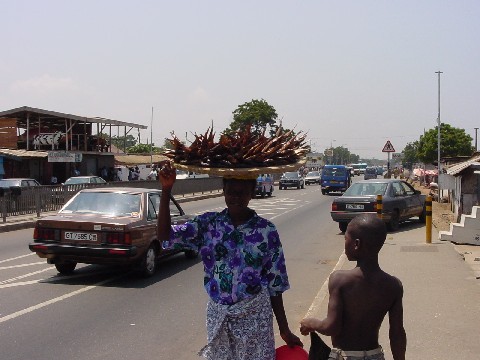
[16,201]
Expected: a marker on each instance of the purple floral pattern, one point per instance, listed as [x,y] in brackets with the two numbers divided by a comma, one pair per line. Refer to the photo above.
[237,262]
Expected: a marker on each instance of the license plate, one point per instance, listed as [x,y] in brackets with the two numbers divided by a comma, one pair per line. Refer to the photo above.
[80,236]
[334,182]
[354,206]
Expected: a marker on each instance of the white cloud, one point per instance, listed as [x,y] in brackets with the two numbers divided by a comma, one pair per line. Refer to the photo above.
[44,84]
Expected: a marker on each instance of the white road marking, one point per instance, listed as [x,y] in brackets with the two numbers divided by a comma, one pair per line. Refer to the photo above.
[25,275]
[322,293]
[15,258]
[55,300]
[22,265]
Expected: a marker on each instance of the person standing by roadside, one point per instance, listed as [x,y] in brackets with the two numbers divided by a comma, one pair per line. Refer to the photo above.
[244,271]
[360,298]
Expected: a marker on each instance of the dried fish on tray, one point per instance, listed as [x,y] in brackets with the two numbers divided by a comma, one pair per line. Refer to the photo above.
[242,152]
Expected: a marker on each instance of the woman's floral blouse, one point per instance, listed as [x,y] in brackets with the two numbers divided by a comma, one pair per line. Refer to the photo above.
[239,261]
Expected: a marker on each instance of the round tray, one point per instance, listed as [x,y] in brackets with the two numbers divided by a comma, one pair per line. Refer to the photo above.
[246,173]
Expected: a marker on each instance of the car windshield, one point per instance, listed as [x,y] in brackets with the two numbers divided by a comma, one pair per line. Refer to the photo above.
[8,183]
[290,175]
[105,203]
[359,189]
[76,180]
[313,173]
[334,171]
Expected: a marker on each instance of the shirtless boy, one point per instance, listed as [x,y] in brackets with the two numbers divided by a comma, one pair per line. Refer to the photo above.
[360,298]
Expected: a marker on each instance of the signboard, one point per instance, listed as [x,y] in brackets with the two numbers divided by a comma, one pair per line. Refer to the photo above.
[397,155]
[64,156]
[388,147]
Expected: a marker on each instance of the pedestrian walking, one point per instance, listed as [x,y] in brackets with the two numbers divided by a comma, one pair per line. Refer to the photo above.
[360,298]
[244,271]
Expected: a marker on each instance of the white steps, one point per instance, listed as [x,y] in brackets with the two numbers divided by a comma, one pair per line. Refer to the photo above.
[467,231]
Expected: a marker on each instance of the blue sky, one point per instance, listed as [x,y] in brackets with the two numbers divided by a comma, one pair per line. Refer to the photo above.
[351,73]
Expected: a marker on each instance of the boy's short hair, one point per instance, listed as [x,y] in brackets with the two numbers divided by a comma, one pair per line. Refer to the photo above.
[370,229]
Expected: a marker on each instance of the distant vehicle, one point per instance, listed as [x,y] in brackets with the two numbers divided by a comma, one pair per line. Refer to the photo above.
[264,185]
[335,178]
[379,170]
[400,202]
[291,179]
[19,182]
[313,177]
[84,180]
[370,173]
[116,225]
[359,168]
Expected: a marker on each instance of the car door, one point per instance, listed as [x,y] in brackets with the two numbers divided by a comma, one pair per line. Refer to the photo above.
[400,199]
[413,199]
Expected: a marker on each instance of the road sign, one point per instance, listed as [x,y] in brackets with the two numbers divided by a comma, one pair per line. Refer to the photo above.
[397,155]
[388,147]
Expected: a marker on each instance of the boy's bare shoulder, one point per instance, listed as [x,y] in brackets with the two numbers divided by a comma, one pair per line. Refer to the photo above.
[345,277]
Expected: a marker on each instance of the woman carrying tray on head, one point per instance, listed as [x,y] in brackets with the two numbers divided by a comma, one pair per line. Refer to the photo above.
[245,273]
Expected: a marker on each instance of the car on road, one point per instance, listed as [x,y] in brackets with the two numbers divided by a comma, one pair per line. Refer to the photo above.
[313,177]
[74,180]
[18,182]
[106,225]
[400,201]
[264,185]
[291,179]
[370,173]
[335,178]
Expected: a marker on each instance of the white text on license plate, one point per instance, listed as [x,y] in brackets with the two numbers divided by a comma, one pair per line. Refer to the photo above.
[354,206]
[80,236]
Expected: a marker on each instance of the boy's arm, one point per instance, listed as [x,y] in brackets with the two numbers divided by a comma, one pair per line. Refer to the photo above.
[332,324]
[290,338]
[398,337]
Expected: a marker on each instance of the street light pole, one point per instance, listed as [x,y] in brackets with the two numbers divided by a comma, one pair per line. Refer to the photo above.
[438,135]
[476,139]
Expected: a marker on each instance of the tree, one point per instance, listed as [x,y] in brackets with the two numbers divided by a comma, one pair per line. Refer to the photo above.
[143,149]
[257,113]
[410,154]
[122,142]
[453,142]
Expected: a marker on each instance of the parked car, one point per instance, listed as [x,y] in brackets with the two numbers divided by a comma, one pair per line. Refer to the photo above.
[400,201]
[84,180]
[370,173]
[18,182]
[106,225]
[291,179]
[264,185]
[313,177]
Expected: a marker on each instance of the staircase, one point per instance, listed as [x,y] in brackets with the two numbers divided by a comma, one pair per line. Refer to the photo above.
[467,231]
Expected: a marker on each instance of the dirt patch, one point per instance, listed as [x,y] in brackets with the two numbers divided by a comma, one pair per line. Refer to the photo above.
[442,214]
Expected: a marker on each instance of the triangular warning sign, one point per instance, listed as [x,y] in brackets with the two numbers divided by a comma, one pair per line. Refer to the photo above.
[388,147]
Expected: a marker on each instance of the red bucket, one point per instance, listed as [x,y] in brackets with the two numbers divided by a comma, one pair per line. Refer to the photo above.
[287,353]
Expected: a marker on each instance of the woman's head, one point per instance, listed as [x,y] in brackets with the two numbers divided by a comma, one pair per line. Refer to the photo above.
[238,192]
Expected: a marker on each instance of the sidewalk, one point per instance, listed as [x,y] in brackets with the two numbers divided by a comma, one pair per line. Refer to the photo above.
[28,221]
[441,295]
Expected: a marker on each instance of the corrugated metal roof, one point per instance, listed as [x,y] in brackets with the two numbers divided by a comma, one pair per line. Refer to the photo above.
[458,168]
[23,111]
[22,154]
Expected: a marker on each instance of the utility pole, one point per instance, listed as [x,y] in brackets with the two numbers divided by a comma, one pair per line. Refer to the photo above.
[438,135]
[476,139]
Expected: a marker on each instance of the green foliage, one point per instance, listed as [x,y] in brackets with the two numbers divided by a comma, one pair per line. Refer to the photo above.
[453,142]
[143,149]
[123,142]
[257,113]
[410,154]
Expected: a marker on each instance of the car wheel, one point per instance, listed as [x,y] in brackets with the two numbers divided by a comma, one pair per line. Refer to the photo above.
[303,186]
[423,215]
[149,261]
[298,186]
[263,192]
[66,268]
[270,192]
[342,226]
[394,223]
[324,192]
